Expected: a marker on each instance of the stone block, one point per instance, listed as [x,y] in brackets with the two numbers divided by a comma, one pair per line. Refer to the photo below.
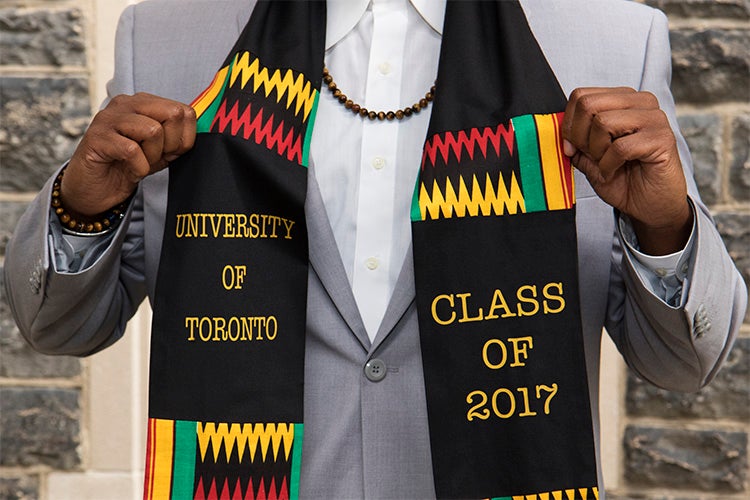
[40,426]
[43,119]
[710,461]
[739,171]
[42,37]
[735,230]
[634,496]
[18,360]
[711,65]
[729,9]
[703,135]
[726,397]
[19,488]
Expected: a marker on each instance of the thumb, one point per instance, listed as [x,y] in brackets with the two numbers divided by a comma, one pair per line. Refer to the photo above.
[588,167]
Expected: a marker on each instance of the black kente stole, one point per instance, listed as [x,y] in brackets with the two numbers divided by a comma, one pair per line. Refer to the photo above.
[495,267]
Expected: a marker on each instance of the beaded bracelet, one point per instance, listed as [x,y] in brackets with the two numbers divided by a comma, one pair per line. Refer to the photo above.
[93,226]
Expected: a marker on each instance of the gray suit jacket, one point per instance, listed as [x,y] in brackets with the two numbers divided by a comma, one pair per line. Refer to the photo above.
[365,439]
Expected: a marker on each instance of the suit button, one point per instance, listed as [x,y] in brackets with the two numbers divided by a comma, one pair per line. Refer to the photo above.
[375,370]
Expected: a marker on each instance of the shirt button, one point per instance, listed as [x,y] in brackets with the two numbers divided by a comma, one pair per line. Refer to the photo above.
[661,272]
[378,162]
[372,263]
[384,68]
[375,370]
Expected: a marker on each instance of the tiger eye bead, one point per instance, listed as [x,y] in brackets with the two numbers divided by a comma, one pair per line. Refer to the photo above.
[375,115]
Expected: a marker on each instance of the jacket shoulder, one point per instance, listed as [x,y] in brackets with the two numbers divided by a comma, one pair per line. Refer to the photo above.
[591,43]
[177,45]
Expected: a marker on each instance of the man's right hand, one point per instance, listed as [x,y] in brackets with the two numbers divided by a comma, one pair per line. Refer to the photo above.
[132,137]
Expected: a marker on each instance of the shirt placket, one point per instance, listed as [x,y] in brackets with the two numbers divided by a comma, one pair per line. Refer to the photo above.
[377,180]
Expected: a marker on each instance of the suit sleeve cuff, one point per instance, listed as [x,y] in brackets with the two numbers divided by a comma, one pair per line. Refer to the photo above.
[665,275]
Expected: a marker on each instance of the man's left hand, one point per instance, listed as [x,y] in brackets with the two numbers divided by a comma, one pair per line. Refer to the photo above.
[623,143]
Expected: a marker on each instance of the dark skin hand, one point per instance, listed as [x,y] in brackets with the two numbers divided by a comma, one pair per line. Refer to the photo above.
[622,142]
[132,137]
[617,137]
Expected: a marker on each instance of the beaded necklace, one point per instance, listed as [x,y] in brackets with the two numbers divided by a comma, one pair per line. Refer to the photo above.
[360,110]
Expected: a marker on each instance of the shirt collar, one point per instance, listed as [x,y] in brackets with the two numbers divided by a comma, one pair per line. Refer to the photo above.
[343,16]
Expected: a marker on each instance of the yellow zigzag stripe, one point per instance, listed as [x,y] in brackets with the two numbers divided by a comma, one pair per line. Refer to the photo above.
[244,436]
[203,101]
[483,202]
[297,88]
[569,494]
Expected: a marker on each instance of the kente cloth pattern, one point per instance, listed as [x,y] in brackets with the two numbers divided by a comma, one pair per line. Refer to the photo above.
[495,260]
[493,222]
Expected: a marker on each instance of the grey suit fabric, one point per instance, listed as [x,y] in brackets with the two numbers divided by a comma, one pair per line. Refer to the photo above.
[366,439]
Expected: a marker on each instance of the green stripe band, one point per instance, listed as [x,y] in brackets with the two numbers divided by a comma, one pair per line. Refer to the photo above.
[299,431]
[308,132]
[528,159]
[183,468]
[416,214]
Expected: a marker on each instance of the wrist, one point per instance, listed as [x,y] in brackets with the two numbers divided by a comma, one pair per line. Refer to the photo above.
[666,238]
[79,224]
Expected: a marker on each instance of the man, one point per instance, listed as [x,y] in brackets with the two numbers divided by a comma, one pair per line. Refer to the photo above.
[663,285]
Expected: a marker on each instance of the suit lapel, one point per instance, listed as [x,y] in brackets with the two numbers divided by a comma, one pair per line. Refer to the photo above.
[403,296]
[325,260]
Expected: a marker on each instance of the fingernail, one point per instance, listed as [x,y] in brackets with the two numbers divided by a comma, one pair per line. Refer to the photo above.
[568,148]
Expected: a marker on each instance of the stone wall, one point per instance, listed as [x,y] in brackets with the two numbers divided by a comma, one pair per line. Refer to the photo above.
[695,446]
[45,106]
[674,446]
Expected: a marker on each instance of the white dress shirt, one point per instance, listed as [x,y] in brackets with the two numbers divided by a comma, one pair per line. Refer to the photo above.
[367,169]
[383,54]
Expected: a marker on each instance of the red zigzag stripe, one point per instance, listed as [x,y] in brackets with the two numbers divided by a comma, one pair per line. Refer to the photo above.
[475,138]
[262,493]
[261,132]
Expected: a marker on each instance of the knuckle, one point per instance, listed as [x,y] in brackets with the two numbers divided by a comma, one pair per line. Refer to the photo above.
[586,104]
[175,112]
[600,121]
[120,101]
[577,94]
[650,99]
[620,148]
[153,131]
[130,150]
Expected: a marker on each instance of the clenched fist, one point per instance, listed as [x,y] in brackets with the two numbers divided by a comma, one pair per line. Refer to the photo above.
[132,137]
[623,143]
